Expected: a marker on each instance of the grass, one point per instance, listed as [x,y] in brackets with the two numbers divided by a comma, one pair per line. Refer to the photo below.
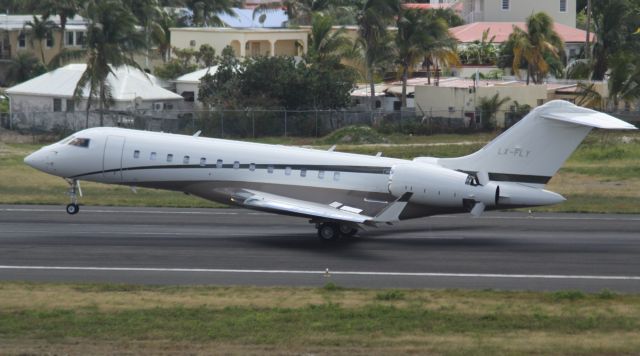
[603,174]
[104,318]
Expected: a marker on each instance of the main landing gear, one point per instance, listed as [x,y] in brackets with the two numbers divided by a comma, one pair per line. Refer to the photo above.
[332,231]
[74,191]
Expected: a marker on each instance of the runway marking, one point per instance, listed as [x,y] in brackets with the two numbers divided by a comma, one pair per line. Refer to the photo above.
[346,273]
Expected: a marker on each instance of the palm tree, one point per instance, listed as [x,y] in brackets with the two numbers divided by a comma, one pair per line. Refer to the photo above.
[40,29]
[373,19]
[300,12]
[161,35]
[205,12]
[489,108]
[65,9]
[149,14]
[417,34]
[24,67]
[533,45]
[112,40]
[589,97]
[612,20]
[325,43]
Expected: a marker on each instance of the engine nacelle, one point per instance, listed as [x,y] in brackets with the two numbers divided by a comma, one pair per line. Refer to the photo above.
[438,186]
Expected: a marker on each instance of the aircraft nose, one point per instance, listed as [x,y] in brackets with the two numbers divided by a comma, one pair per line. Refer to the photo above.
[37,160]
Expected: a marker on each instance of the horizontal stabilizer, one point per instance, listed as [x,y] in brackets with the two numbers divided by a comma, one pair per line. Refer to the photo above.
[587,117]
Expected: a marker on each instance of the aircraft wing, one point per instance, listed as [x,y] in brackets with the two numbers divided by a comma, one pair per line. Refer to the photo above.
[283,205]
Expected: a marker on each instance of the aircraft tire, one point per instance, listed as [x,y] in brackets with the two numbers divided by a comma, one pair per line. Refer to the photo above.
[329,231]
[73,209]
[348,231]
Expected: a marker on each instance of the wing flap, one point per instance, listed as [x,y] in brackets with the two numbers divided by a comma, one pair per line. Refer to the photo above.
[280,204]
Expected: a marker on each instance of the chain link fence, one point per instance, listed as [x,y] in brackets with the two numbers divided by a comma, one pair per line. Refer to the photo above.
[254,123]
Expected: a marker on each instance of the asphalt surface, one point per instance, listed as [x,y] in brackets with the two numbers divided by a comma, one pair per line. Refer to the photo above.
[241,247]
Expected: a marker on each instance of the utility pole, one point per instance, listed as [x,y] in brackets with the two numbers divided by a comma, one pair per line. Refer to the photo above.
[587,49]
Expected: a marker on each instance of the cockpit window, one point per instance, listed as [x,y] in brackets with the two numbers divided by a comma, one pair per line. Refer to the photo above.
[66,140]
[80,142]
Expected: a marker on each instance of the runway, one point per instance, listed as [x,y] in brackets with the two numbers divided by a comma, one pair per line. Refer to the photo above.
[514,251]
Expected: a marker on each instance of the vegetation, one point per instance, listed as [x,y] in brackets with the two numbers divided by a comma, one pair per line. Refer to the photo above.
[489,108]
[40,30]
[483,52]
[24,67]
[536,46]
[112,318]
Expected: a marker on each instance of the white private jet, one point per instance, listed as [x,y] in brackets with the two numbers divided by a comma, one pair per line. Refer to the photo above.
[339,192]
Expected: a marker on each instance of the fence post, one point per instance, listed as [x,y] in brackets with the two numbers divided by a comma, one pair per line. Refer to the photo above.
[285,122]
[221,123]
[253,123]
[316,122]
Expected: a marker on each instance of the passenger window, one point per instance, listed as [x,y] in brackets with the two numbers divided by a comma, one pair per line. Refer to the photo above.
[219,163]
[236,164]
[169,158]
[252,167]
[152,156]
[136,154]
[185,160]
[203,161]
[336,176]
[303,172]
[270,169]
[287,171]
[321,174]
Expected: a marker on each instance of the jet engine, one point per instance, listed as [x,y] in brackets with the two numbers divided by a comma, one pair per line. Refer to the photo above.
[437,186]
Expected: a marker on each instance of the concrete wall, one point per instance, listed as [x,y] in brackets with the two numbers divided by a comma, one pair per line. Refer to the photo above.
[452,102]
[519,10]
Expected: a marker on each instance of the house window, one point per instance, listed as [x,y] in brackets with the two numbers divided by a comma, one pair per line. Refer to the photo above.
[505,4]
[192,43]
[57,105]
[70,38]
[378,104]
[203,161]
[321,174]
[49,40]
[189,96]
[219,163]
[74,38]
[136,154]
[236,164]
[169,158]
[303,172]
[287,171]
[185,160]
[252,167]
[80,38]
[336,176]
[71,105]
[152,156]
[270,169]
[22,40]
[563,5]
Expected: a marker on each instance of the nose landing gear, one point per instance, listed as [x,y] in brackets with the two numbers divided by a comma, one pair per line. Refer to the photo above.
[74,191]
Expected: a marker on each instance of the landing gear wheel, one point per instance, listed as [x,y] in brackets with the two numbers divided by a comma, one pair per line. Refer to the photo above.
[73,208]
[347,230]
[329,231]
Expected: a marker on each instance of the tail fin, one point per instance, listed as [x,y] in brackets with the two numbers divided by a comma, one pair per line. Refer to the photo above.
[533,150]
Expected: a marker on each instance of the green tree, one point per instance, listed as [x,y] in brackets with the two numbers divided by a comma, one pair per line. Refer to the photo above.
[24,67]
[480,52]
[489,107]
[205,12]
[535,46]
[300,12]
[440,51]
[39,30]
[112,40]
[416,32]
[373,38]
[161,34]
[325,44]
[222,88]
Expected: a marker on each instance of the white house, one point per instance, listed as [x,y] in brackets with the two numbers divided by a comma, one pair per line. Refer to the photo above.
[49,97]
[187,85]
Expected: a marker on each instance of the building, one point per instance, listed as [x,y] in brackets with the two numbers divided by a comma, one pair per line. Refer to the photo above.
[48,98]
[246,42]
[562,11]
[188,85]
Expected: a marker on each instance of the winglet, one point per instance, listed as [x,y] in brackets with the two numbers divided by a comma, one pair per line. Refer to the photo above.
[392,212]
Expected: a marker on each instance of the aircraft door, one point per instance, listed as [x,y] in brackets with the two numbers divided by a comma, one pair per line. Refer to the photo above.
[112,159]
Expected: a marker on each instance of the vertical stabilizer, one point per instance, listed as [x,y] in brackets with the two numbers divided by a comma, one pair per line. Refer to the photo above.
[533,150]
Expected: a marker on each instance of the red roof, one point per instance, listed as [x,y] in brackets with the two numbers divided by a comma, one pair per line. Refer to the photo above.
[502,30]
